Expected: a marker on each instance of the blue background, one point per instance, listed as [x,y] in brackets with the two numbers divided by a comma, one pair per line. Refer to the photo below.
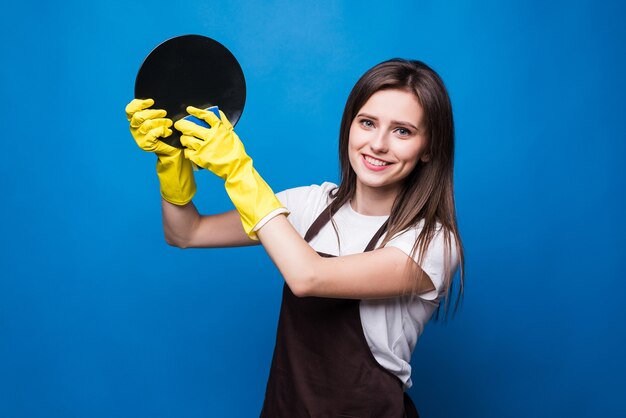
[100,318]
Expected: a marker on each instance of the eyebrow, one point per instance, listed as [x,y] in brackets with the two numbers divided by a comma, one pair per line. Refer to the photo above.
[393,122]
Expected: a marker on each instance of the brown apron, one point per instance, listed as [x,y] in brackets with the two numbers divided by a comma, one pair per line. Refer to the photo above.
[322,365]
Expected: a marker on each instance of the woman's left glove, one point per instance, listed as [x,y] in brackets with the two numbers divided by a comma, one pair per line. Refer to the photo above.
[175,173]
[220,150]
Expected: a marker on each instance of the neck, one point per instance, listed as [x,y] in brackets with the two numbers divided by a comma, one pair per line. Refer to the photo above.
[373,201]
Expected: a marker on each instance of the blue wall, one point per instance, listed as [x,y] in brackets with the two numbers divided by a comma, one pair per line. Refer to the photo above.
[100,318]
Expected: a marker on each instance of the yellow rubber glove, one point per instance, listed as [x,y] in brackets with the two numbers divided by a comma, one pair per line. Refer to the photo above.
[175,172]
[220,150]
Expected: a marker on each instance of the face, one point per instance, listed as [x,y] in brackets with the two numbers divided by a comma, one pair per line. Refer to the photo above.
[387,139]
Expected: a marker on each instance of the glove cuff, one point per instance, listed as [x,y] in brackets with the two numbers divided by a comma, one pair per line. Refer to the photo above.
[279,211]
[254,199]
[175,172]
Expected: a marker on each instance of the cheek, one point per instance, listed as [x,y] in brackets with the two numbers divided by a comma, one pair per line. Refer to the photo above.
[354,145]
[357,138]
[410,155]
[352,139]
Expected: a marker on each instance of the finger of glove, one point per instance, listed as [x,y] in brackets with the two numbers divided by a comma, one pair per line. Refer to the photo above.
[145,115]
[189,128]
[164,133]
[151,124]
[225,120]
[193,156]
[158,132]
[191,142]
[136,105]
[151,142]
[206,115]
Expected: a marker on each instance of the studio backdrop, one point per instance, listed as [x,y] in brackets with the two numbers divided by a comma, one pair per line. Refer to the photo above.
[99,317]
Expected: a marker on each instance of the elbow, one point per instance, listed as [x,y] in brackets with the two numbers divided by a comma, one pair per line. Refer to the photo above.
[174,242]
[299,290]
[306,276]
[302,284]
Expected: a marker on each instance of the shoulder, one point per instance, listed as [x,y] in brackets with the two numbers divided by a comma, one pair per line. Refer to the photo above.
[305,203]
[311,193]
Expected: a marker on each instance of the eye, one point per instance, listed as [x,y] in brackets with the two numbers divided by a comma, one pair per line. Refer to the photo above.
[366,123]
[403,132]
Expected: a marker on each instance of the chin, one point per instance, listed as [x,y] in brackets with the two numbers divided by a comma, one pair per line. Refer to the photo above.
[377,183]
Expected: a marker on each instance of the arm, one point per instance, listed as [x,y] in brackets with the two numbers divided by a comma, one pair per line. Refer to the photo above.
[182,224]
[184,227]
[380,273]
[375,274]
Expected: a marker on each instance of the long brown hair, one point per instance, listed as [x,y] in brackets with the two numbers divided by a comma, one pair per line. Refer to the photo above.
[427,194]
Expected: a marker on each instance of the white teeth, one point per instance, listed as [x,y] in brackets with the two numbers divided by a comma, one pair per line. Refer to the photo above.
[374,161]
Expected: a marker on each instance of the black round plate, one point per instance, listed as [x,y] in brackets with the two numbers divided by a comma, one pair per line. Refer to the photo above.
[191,70]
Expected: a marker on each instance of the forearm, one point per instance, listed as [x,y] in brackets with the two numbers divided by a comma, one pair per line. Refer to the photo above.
[179,223]
[381,273]
[184,227]
[294,257]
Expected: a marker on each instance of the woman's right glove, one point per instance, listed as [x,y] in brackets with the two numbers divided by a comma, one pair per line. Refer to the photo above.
[175,172]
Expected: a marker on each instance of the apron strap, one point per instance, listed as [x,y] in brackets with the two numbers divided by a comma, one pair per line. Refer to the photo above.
[318,224]
[376,237]
[325,217]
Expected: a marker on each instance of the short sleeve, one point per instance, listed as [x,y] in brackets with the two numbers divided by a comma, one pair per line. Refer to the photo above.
[305,204]
[433,263]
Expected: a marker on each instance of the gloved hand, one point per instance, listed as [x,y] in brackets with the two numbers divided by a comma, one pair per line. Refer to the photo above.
[175,172]
[219,150]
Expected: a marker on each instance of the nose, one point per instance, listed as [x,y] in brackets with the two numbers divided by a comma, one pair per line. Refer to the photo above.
[379,142]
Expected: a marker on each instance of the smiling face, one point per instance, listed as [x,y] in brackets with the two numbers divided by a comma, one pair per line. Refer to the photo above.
[387,139]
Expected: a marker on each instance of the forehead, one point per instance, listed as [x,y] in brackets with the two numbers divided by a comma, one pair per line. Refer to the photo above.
[400,105]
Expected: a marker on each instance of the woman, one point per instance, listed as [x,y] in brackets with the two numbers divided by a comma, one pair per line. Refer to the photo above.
[366,263]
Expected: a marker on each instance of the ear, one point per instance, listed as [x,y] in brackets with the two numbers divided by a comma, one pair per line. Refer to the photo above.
[425,158]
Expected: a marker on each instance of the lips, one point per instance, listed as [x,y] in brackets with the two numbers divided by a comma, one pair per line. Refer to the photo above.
[374,163]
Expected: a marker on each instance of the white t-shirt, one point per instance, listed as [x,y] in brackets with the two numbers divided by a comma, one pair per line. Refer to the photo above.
[391,326]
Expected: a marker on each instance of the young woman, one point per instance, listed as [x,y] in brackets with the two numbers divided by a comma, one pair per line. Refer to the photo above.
[366,263]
